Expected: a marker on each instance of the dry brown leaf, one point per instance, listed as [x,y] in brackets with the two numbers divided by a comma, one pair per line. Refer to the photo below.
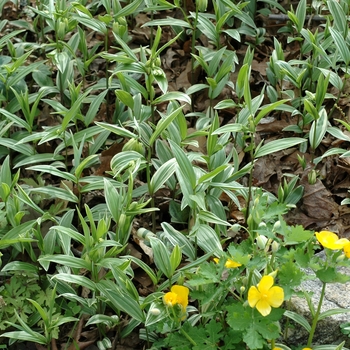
[318,202]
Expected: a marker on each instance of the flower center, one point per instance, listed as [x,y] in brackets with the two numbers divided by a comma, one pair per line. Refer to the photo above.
[264,296]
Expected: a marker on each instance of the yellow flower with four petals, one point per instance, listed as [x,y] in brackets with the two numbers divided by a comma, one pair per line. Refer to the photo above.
[265,295]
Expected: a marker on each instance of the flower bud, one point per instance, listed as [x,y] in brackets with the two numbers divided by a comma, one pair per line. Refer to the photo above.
[157,62]
[340,258]
[122,220]
[242,289]
[261,241]
[158,72]
[61,30]
[262,224]
[273,274]
[235,228]
[274,246]
[277,225]
[155,311]
[312,177]
[134,145]
[202,5]
[144,233]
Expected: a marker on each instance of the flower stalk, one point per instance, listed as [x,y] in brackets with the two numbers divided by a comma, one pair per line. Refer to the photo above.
[315,320]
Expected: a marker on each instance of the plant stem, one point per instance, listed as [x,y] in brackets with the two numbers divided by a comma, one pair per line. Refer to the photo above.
[148,175]
[107,82]
[315,320]
[250,183]
[188,337]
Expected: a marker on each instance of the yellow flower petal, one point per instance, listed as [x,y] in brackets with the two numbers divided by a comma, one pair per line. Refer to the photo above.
[330,240]
[263,307]
[347,250]
[170,298]
[275,296]
[265,284]
[182,295]
[230,264]
[253,296]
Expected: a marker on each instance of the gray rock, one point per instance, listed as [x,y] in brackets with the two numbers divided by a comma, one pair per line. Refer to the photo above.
[337,295]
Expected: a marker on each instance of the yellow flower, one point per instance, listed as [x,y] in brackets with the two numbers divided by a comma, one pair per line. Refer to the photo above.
[229,264]
[277,348]
[347,250]
[265,295]
[178,295]
[330,240]
[306,349]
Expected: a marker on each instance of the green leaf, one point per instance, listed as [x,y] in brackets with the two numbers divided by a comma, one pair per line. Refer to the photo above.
[228,103]
[37,158]
[301,14]
[66,260]
[129,9]
[331,275]
[210,217]
[19,121]
[162,175]
[161,257]
[195,88]
[208,239]
[53,171]
[341,46]
[41,311]
[163,124]
[334,78]
[175,257]
[185,166]
[94,106]
[228,128]
[267,109]
[177,238]
[125,97]
[20,266]
[297,234]
[76,279]
[278,145]
[241,80]
[332,312]
[109,321]
[23,335]
[253,339]
[117,130]
[318,129]
[54,192]
[340,21]
[123,302]
[143,266]
[169,21]
[173,95]
[298,319]
[7,37]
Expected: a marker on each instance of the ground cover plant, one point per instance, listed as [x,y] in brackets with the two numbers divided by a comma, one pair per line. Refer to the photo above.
[171,172]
